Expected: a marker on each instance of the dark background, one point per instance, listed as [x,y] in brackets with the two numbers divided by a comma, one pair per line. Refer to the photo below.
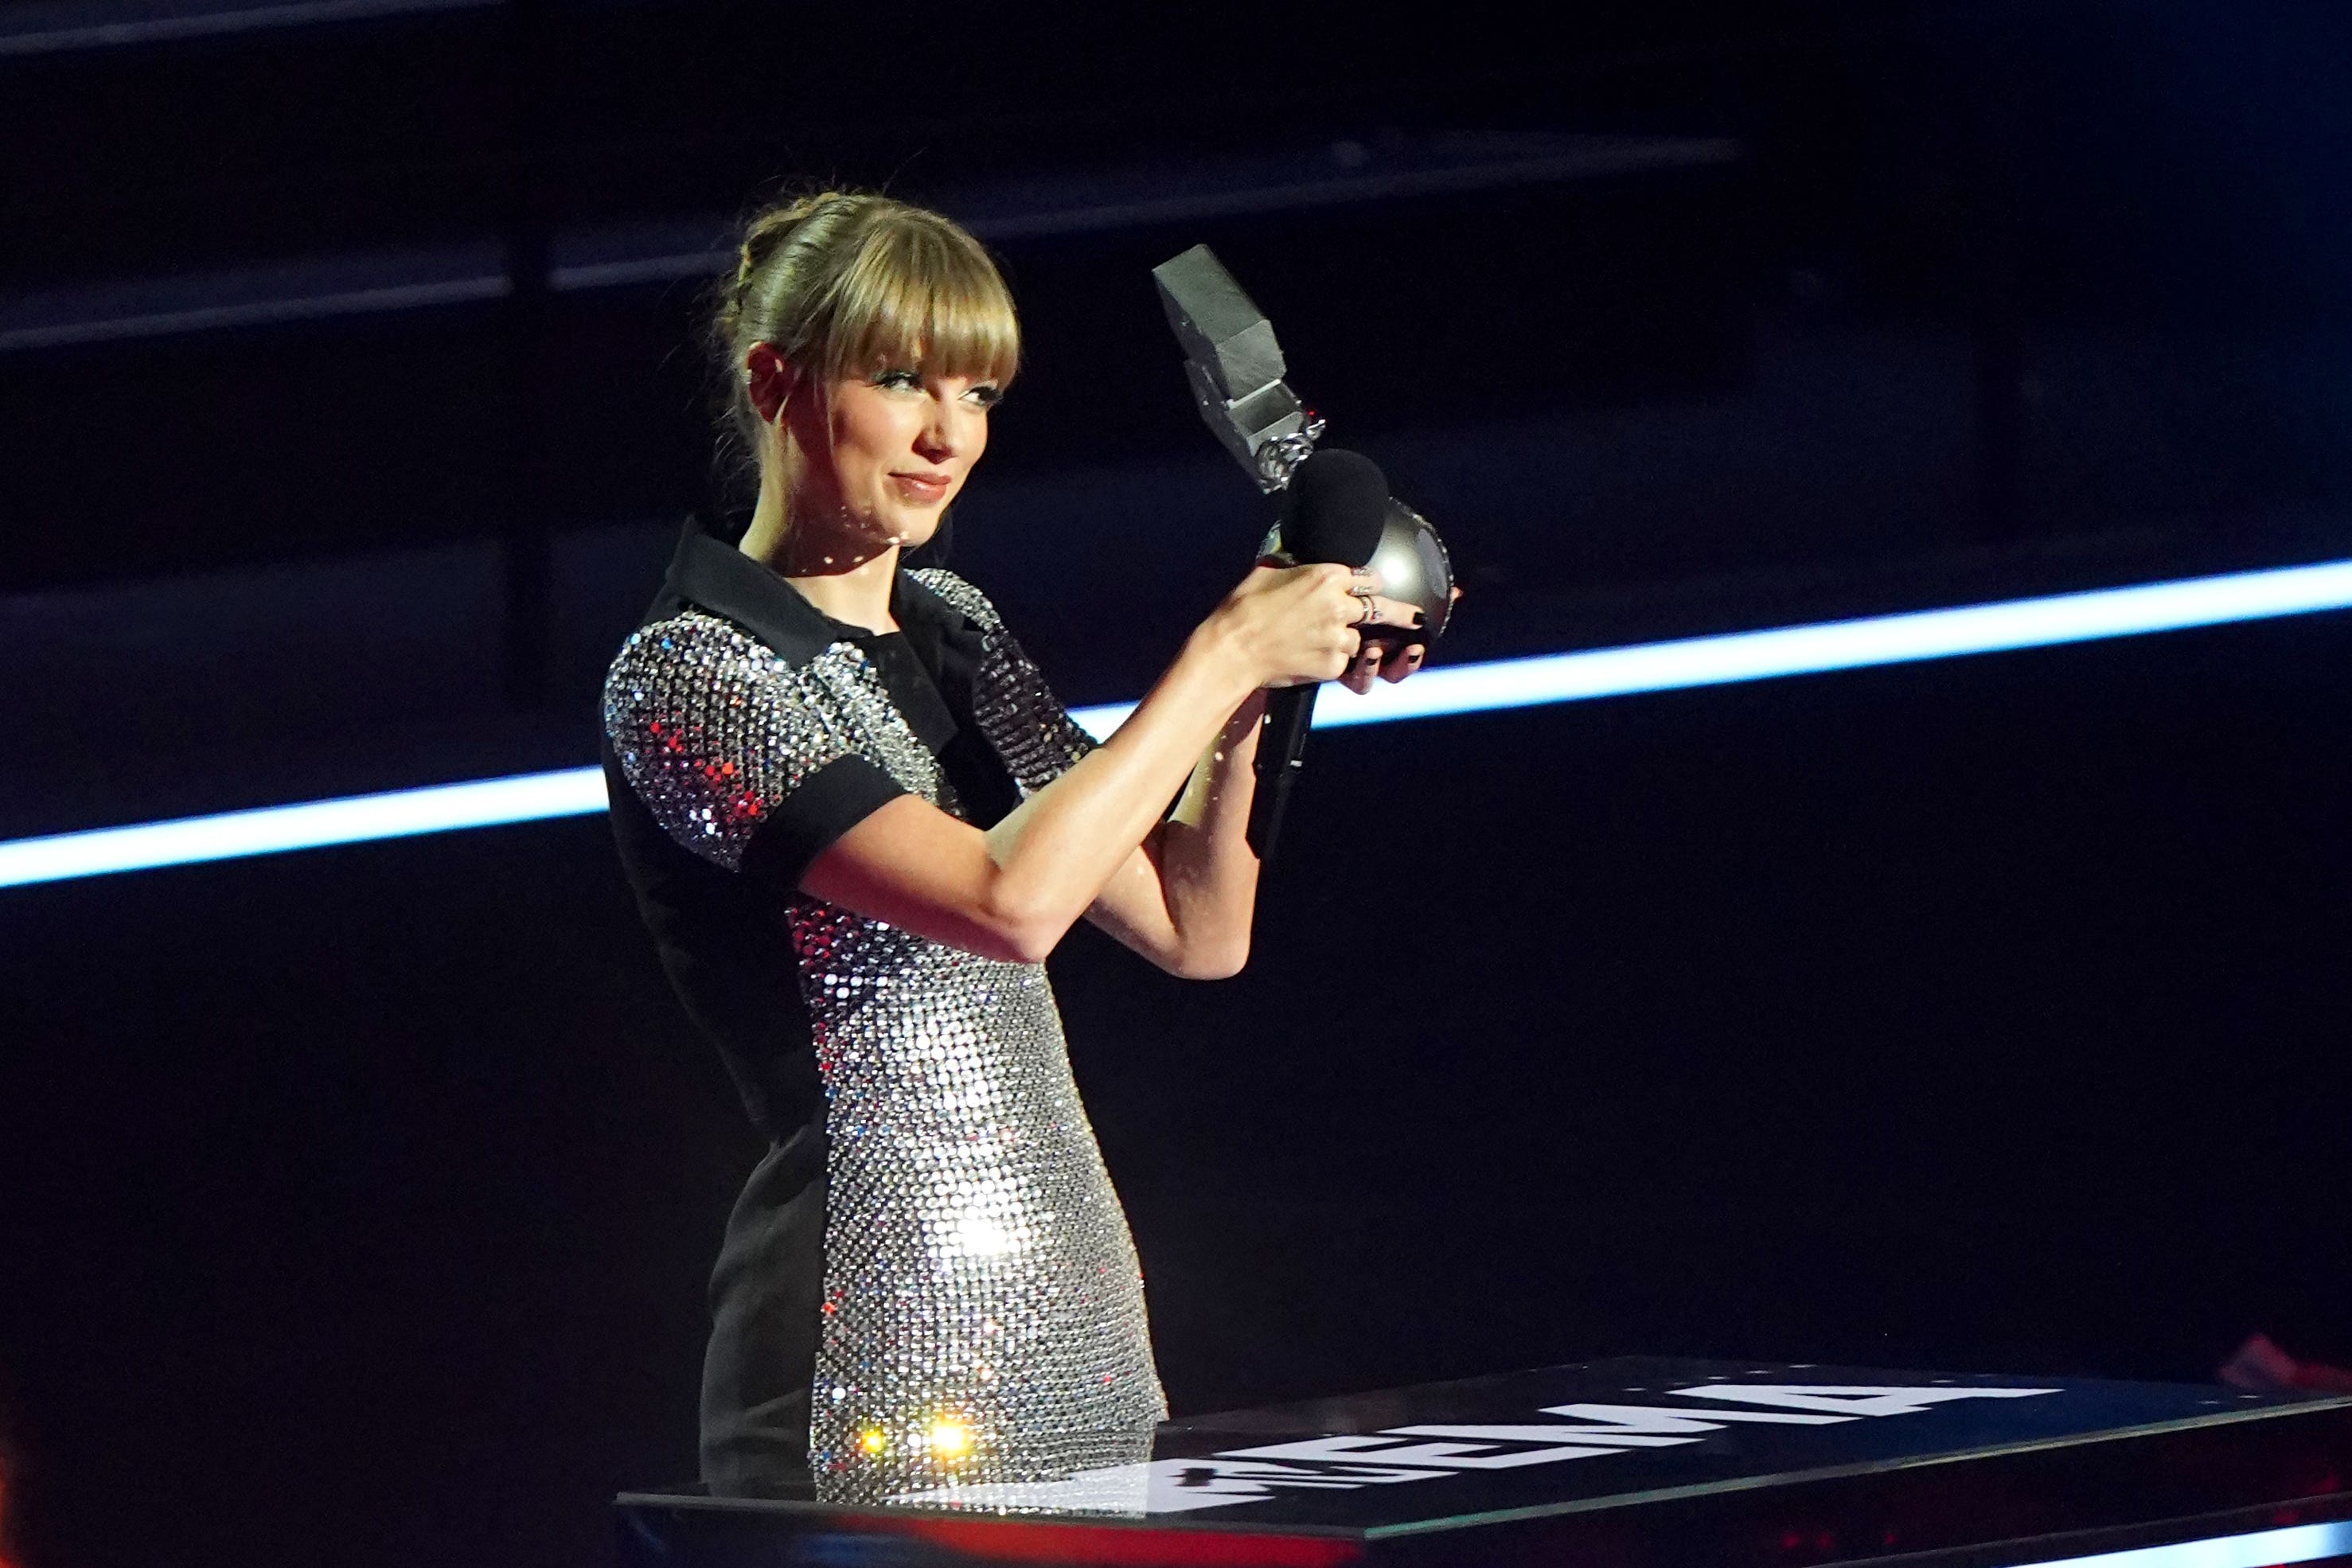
[1983,1015]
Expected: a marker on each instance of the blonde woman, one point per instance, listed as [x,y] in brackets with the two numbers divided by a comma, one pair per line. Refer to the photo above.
[857,821]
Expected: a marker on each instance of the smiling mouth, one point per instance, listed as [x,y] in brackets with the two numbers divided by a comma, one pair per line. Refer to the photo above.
[921,487]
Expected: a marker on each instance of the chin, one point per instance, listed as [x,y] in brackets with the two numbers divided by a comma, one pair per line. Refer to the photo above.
[912,531]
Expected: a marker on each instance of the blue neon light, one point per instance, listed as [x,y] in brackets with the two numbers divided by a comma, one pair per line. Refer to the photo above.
[1850,645]
[1684,663]
[2299,1543]
[274,829]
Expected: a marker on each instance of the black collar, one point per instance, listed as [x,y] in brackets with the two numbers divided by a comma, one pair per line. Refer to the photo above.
[713,576]
[931,665]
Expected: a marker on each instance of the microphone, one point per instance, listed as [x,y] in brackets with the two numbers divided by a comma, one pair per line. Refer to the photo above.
[1337,511]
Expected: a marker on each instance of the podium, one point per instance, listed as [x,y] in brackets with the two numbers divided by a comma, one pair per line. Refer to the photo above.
[1635,1462]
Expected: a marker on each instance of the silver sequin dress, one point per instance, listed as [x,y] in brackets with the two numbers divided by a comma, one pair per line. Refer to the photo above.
[982,1308]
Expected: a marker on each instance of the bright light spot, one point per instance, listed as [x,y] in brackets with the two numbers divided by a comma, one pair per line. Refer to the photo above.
[981,1236]
[872,1440]
[951,1438]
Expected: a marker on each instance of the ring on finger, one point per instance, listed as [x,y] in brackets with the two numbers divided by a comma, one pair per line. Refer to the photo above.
[1371,614]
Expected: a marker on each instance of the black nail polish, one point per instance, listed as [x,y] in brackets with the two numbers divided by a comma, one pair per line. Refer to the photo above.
[1419,619]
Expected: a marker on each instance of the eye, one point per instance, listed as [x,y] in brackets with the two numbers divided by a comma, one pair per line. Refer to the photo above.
[899,377]
[985,394]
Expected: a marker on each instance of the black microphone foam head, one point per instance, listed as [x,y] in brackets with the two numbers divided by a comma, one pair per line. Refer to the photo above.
[1336,507]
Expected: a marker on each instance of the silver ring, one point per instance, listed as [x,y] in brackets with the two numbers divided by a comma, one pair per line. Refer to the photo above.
[1371,615]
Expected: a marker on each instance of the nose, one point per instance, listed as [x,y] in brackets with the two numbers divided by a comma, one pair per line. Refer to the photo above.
[938,440]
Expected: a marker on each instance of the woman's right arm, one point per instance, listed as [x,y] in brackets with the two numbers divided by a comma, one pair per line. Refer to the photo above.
[1012,891]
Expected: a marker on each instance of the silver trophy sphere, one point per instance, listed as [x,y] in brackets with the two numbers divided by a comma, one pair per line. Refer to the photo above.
[1414,570]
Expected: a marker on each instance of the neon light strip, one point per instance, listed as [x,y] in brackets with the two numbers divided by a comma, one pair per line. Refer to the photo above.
[274,829]
[1469,689]
[2301,1543]
[1850,645]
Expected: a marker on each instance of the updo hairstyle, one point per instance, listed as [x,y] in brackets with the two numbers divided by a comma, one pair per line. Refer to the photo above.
[848,283]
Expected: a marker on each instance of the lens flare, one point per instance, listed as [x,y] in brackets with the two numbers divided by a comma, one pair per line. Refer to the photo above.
[951,1438]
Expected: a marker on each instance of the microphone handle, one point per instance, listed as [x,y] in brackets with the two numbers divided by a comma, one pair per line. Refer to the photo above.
[1281,746]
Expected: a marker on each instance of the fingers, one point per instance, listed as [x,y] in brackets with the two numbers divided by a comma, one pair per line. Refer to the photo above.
[1325,574]
[1327,610]
[1388,611]
[1381,661]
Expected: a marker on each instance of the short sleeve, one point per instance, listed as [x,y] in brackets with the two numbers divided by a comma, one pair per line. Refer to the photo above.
[738,759]
[1025,723]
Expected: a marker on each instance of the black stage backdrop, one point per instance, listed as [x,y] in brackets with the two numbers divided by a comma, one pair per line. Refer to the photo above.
[355,1204]
[1986,1015]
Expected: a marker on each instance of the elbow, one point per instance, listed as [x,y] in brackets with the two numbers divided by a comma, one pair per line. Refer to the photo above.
[1021,931]
[1212,961]
[1032,944]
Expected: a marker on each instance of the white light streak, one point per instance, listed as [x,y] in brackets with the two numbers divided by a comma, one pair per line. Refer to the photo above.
[2299,1543]
[1687,662]
[1848,644]
[274,829]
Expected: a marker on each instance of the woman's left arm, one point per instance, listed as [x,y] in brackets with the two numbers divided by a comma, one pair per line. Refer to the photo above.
[1184,899]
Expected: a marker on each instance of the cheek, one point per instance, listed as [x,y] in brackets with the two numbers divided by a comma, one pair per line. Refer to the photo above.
[875,429]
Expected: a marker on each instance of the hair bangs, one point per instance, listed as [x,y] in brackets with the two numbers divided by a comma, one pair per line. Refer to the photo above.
[924,295]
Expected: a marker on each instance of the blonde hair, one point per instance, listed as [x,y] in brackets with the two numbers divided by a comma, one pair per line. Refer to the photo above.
[847,283]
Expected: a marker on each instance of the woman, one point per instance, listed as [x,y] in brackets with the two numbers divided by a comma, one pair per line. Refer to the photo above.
[857,821]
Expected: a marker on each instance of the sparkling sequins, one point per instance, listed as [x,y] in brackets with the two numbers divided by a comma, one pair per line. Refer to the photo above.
[1024,724]
[978,1268]
[982,1319]
[714,731]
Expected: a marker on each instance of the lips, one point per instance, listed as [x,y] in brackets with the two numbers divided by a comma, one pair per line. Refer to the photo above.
[922,487]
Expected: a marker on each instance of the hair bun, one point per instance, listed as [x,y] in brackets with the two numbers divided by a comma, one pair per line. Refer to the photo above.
[766,234]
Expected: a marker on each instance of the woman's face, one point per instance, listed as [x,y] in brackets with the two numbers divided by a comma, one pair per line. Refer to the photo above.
[884,454]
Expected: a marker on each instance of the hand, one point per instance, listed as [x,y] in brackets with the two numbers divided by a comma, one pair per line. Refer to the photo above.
[1380,657]
[1298,625]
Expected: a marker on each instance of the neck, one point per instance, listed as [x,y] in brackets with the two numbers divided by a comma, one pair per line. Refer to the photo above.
[845,577]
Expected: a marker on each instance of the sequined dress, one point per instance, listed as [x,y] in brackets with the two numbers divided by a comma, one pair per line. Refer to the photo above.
[981,1314]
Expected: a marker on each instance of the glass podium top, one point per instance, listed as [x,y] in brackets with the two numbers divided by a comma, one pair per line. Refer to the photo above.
[1807,1454]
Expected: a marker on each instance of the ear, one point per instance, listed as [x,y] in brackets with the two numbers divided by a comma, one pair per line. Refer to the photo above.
[768,379]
